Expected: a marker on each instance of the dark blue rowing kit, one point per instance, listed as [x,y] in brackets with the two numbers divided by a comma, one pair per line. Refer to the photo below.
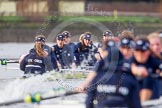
[85,53]
[32,63]
[151,65]
[63,55]
[113,87]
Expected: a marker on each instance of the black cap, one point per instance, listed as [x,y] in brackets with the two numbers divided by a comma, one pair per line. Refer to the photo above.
[60,37]
[142,45]
[107,33]
[66,34]
[126,42]
[40,38]
[87,36]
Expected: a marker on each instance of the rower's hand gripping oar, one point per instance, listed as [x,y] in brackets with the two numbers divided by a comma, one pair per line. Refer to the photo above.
[36,98]
[4,61]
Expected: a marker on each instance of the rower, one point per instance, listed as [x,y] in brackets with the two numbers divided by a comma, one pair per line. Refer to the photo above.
[84,50]
[106,36]
[112,86]
[108,53]
[142,65]
[126,44]
[67,41]
[156,46]
[63,53]
[34,61]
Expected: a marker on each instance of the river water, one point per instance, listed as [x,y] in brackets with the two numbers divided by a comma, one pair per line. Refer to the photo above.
[12,87]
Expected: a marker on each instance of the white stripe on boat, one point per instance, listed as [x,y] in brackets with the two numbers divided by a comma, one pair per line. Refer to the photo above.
[61,106]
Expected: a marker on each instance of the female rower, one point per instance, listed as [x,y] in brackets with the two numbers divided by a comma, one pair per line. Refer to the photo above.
[142,65]
[34,62]
[84,49]
[107,35]
[101,63]
[126,44]
[68,42]
[113,86]
[63,53]
[156,46]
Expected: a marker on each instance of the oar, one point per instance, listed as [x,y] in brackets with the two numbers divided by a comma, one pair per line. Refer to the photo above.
[4,61]
[36,98]
[7,59]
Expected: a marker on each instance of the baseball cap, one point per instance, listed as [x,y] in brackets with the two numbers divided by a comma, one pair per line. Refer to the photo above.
[60,37]
[87,36]
[142,45]
[66,34]
[127,42]
[107,33]
[40,38]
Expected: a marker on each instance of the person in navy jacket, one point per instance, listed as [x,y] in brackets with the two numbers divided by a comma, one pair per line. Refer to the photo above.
[142,64]
[63,53]
[126,43]
[67,41]
[156,47]
[113,85]
[34,62]
[84,50]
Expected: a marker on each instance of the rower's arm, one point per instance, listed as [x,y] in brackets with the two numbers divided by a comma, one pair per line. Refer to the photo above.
[135,98]
[23,64]
[87,81]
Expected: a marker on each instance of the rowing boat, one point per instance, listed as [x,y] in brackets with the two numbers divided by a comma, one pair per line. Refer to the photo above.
[61,106]
[75,104]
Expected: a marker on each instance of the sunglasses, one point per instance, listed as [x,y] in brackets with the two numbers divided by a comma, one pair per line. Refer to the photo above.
[40,39]
[88,39]
[127,47]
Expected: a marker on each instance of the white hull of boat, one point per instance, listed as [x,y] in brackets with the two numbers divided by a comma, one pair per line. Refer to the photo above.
[61,106]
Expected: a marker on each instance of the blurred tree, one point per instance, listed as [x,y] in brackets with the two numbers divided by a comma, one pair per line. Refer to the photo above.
[53,7]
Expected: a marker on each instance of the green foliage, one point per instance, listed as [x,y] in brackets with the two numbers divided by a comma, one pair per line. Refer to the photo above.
[23,22]
[11,19]
[135,19]
[123,19]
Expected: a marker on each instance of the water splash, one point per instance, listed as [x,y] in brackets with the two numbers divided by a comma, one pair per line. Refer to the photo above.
[21,87]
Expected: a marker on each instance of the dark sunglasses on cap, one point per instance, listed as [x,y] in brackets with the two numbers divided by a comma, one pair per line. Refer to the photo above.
[66,34]
[40,39]
[87,36]
[126,43]
[107,33]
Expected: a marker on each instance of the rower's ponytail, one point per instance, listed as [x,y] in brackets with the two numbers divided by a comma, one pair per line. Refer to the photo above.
[39,50]
[81,39]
